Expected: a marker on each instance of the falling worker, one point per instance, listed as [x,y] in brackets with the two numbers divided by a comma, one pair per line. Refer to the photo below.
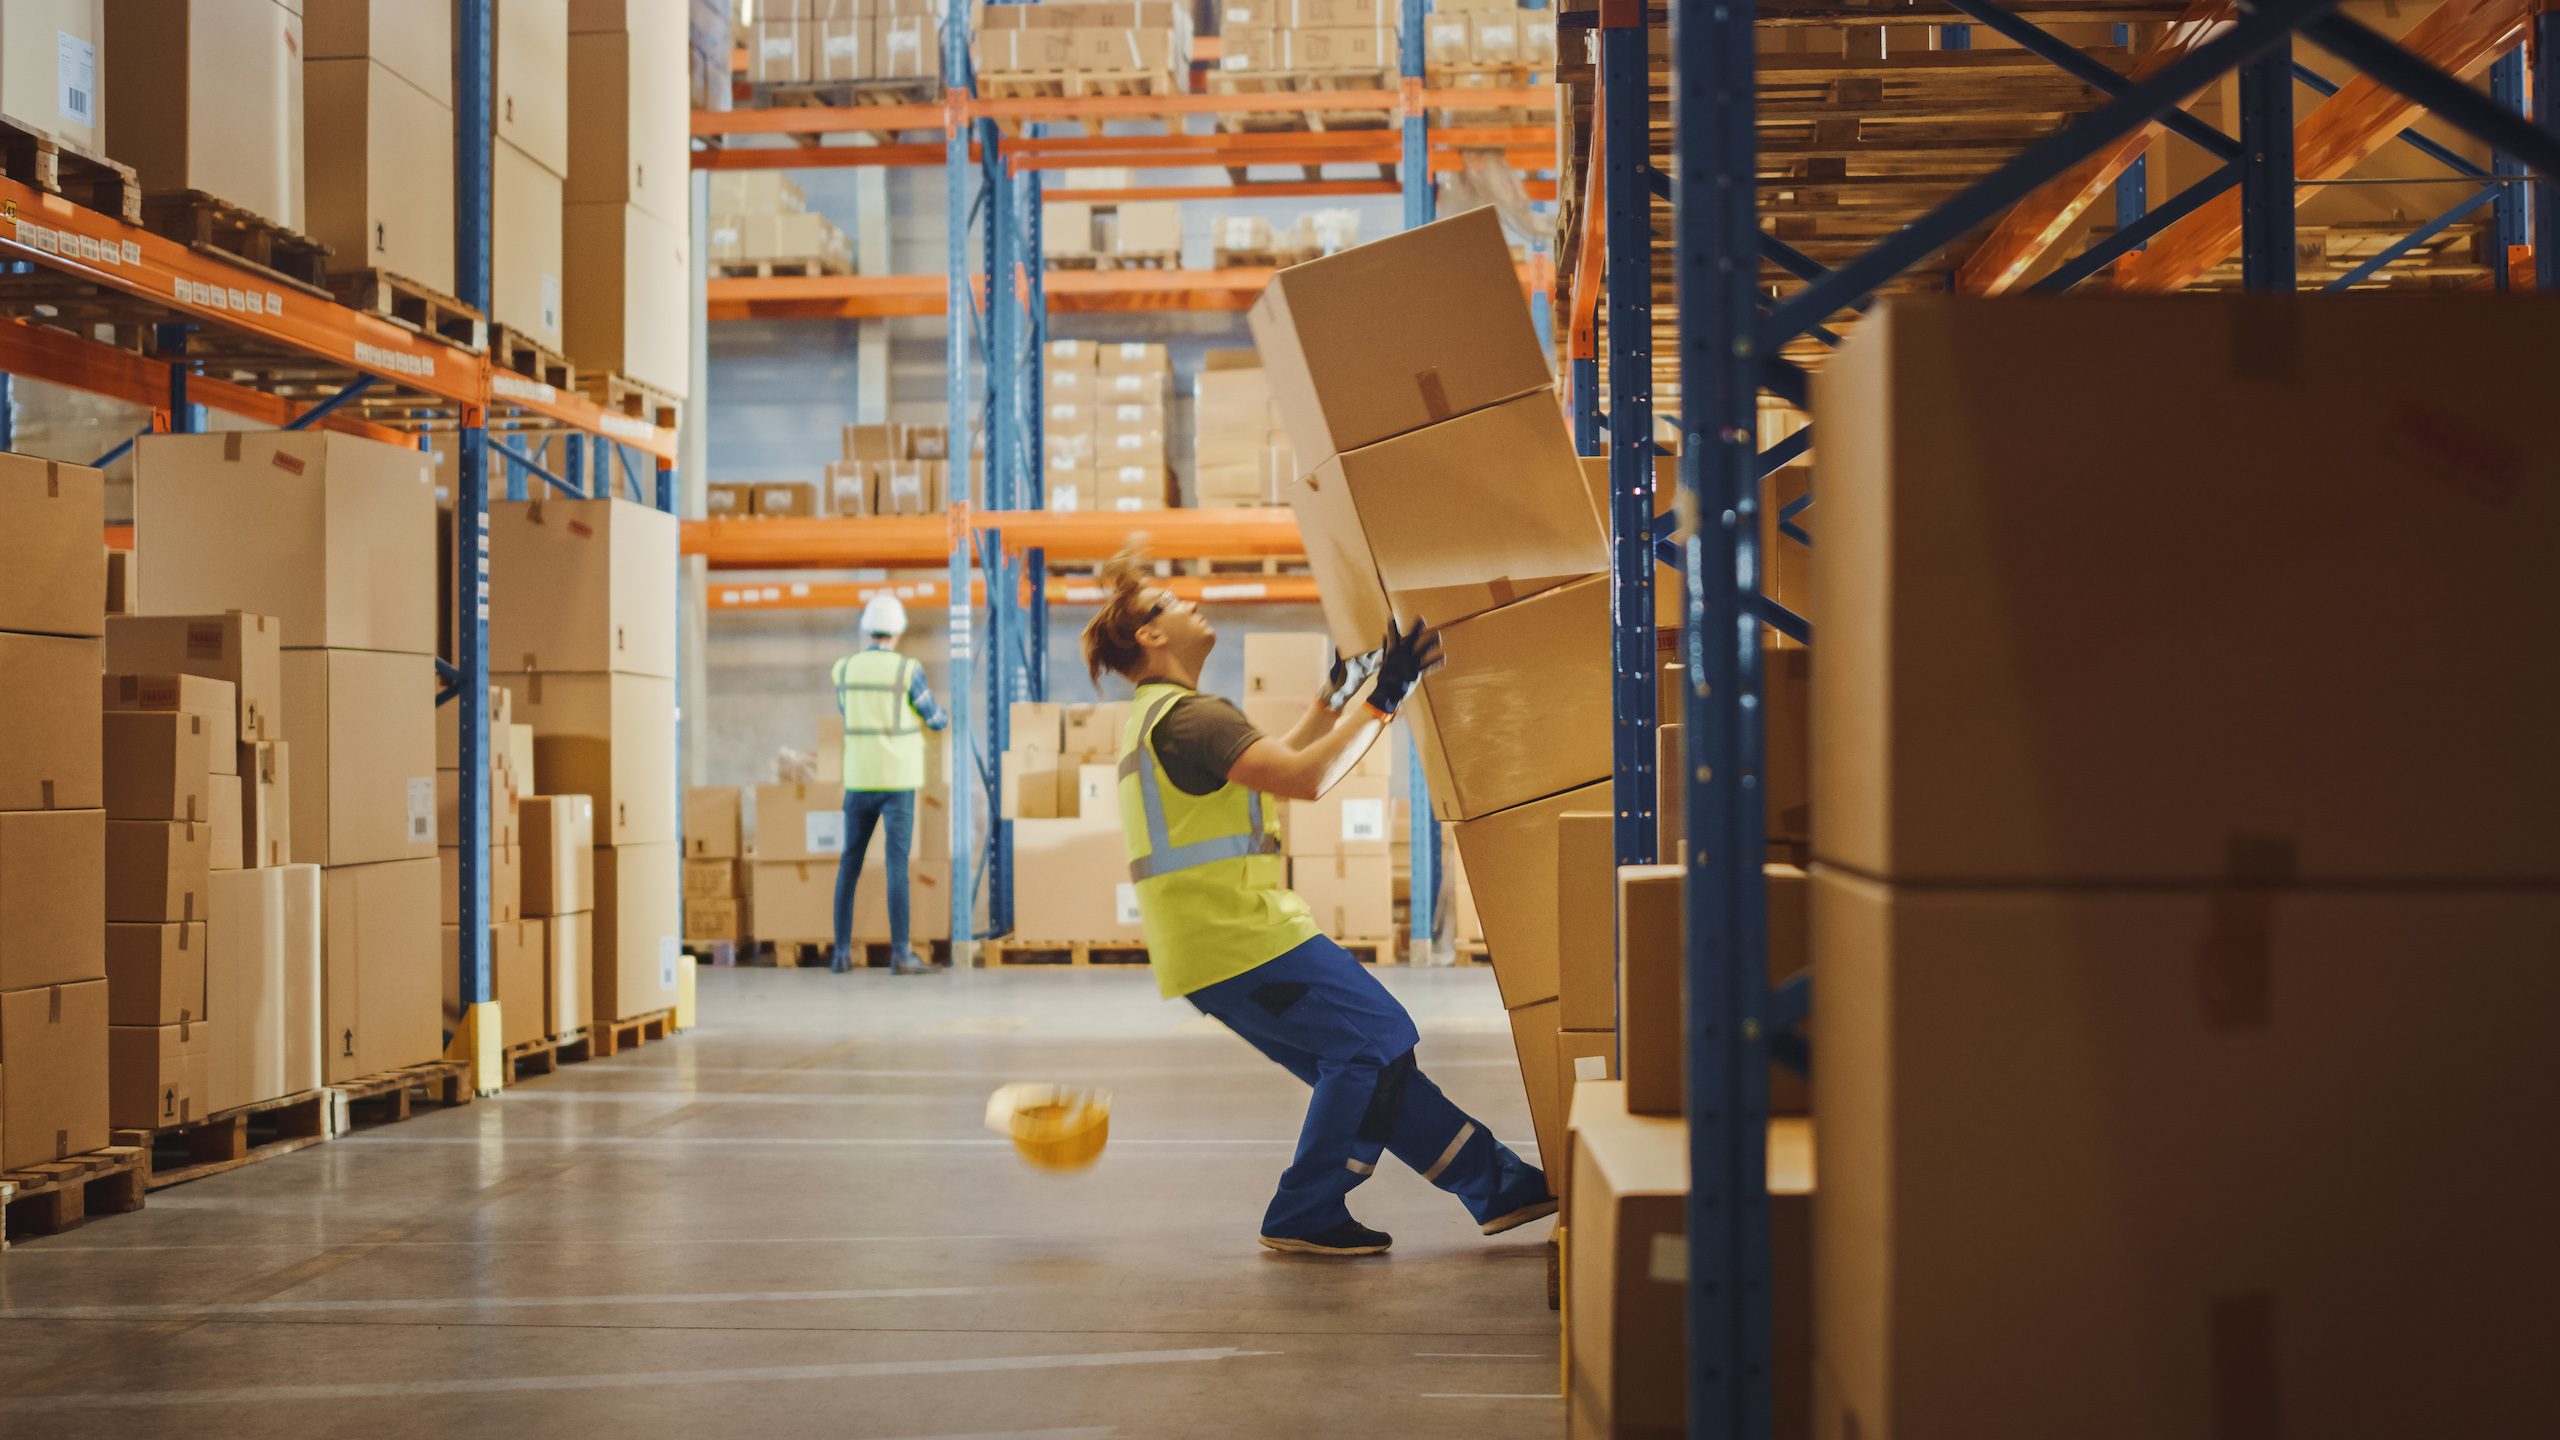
[886,706]
[1225,932]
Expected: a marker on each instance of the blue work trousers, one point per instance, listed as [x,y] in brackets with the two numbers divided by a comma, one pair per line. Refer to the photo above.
[1321,1015]
[865,811]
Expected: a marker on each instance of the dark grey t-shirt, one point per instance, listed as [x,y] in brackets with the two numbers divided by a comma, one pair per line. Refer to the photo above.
[1199,740]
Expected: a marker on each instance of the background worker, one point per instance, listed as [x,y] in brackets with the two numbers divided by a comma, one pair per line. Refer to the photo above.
[1225,932]
[887,707]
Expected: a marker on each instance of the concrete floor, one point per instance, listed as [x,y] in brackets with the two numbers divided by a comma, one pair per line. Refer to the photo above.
[790,1222]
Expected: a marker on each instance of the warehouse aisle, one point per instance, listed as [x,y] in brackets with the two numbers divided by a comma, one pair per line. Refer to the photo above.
[791,1223]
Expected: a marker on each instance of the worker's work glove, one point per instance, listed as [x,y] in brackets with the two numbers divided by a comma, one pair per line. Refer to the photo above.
[1344,675]
[1402,661]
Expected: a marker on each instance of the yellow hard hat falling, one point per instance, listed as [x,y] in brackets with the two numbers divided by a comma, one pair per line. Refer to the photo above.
[1053,1126]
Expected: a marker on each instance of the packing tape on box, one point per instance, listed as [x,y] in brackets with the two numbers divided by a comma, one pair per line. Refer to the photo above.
[2242,1343]
[53,1005]
[52,480]
[231,445]
[1435,395]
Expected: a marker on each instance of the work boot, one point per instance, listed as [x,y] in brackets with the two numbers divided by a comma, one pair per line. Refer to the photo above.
[1525,1196]
[1348,1238]
[905,962]
[842,961]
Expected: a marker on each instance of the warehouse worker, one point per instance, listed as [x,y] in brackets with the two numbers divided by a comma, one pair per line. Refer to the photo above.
[887,707]
[1225,932]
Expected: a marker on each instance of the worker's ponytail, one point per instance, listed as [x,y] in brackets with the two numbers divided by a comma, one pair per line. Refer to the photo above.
[1111,636]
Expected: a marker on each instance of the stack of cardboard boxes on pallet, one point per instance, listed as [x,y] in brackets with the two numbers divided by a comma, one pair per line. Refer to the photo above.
[719,903]
[1143,45]
[1103,439]
[802,42]
[582,636]
[1251,240]
[1341,848]
[885,470]
[1085,234]
[1060,787]
[560,898]
[761,223]
[629,188]
[1240,455]
[518,948]
[2161,812]
[529,167]
[800,839]
[1262,37]
[1464,37]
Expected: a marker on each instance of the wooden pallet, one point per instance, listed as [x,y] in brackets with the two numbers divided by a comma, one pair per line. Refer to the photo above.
[35,157]
[847,94]
[58,1195]
[512,349]
[574,1047]
[176,1154]
[387,1098]
[611,1038]
[1300,82]
[723,953]
[626,396]
[215,226]
[1373,952]
[1473,952]
[1117,260]
[1053,85]
[412,306]
[768,269]
[1225,259]
[1096,954]
[820,954]
[532,1058]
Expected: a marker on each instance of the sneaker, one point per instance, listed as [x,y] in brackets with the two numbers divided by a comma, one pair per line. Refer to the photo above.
[909,965]
[1348,1238]
[1536,1210]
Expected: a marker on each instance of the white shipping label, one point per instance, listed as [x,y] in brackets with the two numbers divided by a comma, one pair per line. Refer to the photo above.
[1669,1262]
[550,302]
[1126,894]
[1364,819]
[1129,502]
[1590,1067]
[825,833]
[422,811]
[843,47]
[75,77]
[1062,497]
[669,952]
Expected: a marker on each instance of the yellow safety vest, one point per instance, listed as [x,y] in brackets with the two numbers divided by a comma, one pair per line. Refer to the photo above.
[883,737]
[1212,886]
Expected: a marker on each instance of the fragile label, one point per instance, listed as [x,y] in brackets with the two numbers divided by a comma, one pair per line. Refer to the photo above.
[1364,819]
[422,810]
[1590,1067]
[205,640]
[1126,896]
[823,834]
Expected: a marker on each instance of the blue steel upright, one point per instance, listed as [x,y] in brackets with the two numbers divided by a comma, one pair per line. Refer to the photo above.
[955,395]
[471,98]
[1715,233]
[1627,195]
[2266,173]
[1415,170]
[2545,84]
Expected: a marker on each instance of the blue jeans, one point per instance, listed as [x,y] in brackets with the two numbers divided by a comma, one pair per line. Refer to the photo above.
[1323,1017]
[865,811]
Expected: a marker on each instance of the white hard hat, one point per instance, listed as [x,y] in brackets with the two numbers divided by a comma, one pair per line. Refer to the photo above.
[884,616]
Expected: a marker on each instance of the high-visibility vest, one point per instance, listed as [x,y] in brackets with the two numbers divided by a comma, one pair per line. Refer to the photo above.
[1211,886]
[883,736]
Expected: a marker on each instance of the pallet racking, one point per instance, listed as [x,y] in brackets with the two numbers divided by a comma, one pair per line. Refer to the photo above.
[1687,137]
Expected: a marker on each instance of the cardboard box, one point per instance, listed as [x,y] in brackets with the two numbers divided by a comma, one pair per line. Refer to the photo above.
[1533,1038]
[229,848]
[52,897]
[713,880]
[909,47]
[1094,730]
[158,1075]
[729,917]
[155,974]
[211,703]
[266,804]
[1351,820]
[582,585]
[1027,785]
[1587,921]
[365,750]
[506,884]
[49,730]
[839,49]
[506,827]
[1397,334]
[611,737]
[284,1056]
[786,499]
[1290,665]
[638,934]
[414,40]
[518,980]
[1072,881]
[54,581]
[1149,227]
[1448,521]
[628,139]
[530,65]
[558,877]
[156,766]
[2175,1087]
[380,991]
[626,309]
[1478,754]
[2080,720]
[525,245]
[49,68]
[569,967]
[775,55]
[756,192]
[1352,896]
[208,96]
[1650,978]
[245,982]
[714,824]
[728,499]
[1511,865]
[333,535]
[240,650]
[53,1049]
[378,151]
[928,898]
[795,900]
[800,821]
[157,870]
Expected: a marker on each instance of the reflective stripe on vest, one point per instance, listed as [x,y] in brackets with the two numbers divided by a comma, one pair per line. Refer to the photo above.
[1163,857]
[903,721]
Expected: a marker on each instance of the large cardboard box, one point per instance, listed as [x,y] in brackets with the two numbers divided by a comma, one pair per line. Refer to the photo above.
[49,70]
[559,876]
[518,980]
[156,766]
[626,309]
[1448,521]
[1650,969]
[639,935]
[155,974]
[53,1049]
[1397,334]
[157,870]
[413,38]
[1352,896]
[49,729]
[266,803]
[159,1074]
[713,880]
[1072,881]
[2179,1091]
[1511,861]
[800,820]
[209,702]
[2167,671]
[1581,1056]
[795,900]
[569,969]
[245,981]
[54,515]
[714,825]
[285,1058]
[379,154]
[531,67]
[610,737]
[333,535]
[582,585]
[1351,819]
[525,244]
[378,951]
[364,755]
[241,650]
[627,129]
[928,898]
[1587,921]
[52,896]
[1286,664]
[506,884]
[1481,751]
[207,95]
[1533,1039]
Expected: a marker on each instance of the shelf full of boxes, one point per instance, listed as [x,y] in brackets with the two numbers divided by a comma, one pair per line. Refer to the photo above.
[250,843]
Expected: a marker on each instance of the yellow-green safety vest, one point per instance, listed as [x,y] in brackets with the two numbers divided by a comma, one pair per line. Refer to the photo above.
[1211,885]
[883,736]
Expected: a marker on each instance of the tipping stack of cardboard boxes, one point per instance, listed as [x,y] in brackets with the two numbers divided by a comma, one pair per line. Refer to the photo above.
[718,903]
[1240,454]
[825,42]
[1144,44]
[53,969]
[1103,441]
[1261,37]
[761,224]
[627,213]
[2145,801]
[582,635]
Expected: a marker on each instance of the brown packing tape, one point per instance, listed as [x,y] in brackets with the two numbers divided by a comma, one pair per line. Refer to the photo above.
[53,479]
[2242,1344]
[53,1005]
[1435,395]
[231,445]
[61,1144]
[1503,594]
[46,786]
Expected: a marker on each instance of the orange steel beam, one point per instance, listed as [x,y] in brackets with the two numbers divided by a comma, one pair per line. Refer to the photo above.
[865,297]
[85,365]
[822,157]
[2036,224]
[918,540]
[935,594]
[818,119]
[2347,129]
[1267,190]
[1583,336]
[822,120]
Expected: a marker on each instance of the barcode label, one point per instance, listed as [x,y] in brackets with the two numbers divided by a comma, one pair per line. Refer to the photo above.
[1364,820]
[1126,895]
[76,77]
